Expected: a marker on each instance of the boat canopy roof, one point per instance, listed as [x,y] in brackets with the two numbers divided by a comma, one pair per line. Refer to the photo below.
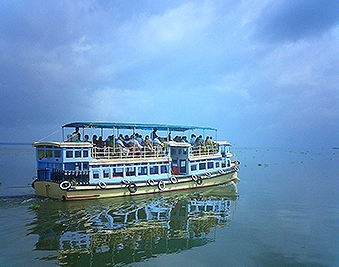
[110,125]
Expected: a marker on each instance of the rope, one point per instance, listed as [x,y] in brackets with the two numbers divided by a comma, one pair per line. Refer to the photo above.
[48,136]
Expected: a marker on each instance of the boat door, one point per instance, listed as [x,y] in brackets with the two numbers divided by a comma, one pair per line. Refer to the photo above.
[182,166]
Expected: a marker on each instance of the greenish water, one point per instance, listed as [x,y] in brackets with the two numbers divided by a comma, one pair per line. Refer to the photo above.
[283,212]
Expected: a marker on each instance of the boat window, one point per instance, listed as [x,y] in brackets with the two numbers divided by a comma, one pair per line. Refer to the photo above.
[78,154]
[142,170]
[130,171]
[118,172]
[210,165]
[228,163]
[49,153]
[217,164]
[85,153]
[95,174]
[57,153]
[179,151]
[106,173]
[183,166]
[41,153]
[85,166]
[184,151]
[202,166]
[154,170]
[194,167]
[174,151]
[163,169]
[175,162]
[69,154]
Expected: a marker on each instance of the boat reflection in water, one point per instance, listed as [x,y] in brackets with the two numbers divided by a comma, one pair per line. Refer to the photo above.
[122,231]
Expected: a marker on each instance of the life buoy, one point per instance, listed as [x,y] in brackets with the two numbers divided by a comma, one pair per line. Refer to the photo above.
[132,187]
[173,180]
[125,181]
[221,171]
[161,185]
[194,178]
[102,185]
[236,168]
[65,185]
[208,174]
[199,181]
[151,182]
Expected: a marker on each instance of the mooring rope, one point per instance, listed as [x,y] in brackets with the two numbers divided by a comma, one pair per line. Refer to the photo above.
[48,136]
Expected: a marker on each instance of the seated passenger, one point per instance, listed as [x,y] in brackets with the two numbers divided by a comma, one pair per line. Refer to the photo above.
[193,139]
[177,139]
[157,142]
[147,143]
[86,139]
[94,140]
[198,141]
[100,142]
[139,138]
[134,142]
[110,141]
[184,139]
[122,145]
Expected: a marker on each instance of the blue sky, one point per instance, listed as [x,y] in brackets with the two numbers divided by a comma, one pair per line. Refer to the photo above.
[265,73]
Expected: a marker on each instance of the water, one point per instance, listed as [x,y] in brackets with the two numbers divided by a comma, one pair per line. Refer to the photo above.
[286,214]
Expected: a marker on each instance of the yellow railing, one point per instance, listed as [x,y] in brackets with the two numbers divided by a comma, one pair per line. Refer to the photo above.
[111,153]
[204,150]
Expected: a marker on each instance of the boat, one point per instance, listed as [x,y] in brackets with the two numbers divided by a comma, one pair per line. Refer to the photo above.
[115,166]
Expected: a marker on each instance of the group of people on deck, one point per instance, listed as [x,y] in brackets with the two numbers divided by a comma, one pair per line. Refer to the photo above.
[126,143]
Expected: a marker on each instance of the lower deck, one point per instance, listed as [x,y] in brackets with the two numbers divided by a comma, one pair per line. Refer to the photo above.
[127,188]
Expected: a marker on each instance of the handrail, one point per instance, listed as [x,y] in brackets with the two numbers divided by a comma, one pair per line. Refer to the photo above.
[111,153]
[204,150]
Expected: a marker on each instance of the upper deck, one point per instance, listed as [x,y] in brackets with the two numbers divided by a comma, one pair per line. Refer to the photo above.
[109,150]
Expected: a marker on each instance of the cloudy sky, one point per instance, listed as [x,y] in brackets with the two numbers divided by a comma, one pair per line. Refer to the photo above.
[264,72]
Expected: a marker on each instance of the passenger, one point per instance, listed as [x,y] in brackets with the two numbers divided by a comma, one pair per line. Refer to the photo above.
[193,139]
[76,136]
[198,141]
[100,142]
[86,139]
[147,143]
[157,142]
[120,143]
[139,138]
[154,134]
[134,142]
[94,140]
[109,142]
[126,140]
[177,139]
[184,139]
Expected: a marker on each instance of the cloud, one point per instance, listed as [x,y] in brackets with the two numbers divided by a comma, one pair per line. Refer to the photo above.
[249,68]
[291,21]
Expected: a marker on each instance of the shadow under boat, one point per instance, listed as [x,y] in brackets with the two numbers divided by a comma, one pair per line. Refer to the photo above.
[122,231]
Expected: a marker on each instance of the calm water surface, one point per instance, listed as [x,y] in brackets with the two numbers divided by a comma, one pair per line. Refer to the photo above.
[283,212]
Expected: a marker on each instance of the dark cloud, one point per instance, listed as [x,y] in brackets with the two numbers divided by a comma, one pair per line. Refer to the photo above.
[293,20]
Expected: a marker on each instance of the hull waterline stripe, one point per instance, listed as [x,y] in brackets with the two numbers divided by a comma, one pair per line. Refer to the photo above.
[83,196]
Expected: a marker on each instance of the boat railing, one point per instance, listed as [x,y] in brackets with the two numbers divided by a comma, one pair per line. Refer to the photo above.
[115,153]
[57,175]
[205,150]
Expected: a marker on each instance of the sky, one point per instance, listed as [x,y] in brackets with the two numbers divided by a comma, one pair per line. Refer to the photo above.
[264,72]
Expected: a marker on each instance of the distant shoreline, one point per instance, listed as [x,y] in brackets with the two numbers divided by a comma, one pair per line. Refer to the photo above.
[14,144]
